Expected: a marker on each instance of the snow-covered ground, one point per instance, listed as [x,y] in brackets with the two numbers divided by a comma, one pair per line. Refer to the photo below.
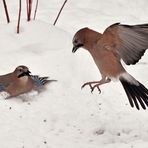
[64,116]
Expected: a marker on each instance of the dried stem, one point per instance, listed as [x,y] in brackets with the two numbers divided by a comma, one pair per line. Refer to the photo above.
[36,7]
[59,13]
[19,17]
[29,9]
[6,11]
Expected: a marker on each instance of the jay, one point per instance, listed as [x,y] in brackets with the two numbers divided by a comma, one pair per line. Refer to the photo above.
[20,81]
[118,41]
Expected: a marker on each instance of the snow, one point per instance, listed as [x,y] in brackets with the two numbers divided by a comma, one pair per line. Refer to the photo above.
[64,116]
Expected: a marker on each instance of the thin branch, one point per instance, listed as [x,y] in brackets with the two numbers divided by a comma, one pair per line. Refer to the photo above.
[29,9]
[19,16]
[36,7]
[6,11]
[59,12]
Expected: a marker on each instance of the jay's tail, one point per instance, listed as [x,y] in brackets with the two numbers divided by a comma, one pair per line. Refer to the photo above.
[136,92]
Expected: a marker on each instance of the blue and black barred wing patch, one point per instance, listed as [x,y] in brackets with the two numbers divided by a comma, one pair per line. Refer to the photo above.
[2,88]
[39,81]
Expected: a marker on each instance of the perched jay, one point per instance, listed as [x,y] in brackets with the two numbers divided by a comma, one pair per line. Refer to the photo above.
[20,81]
[118,42]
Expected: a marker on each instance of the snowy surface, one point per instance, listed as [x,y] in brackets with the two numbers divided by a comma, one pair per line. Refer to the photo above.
[64,116]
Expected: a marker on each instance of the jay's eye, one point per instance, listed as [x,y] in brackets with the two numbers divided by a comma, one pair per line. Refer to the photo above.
[75,41]
[20,70]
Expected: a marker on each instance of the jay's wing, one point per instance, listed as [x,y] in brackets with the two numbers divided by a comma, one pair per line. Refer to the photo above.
[2,88]
[129,42]
[40,81]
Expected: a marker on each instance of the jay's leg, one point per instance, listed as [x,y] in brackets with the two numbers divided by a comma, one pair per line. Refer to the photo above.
[96,84]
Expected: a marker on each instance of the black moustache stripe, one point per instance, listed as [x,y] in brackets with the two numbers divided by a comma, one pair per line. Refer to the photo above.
[23,74]
[79,45]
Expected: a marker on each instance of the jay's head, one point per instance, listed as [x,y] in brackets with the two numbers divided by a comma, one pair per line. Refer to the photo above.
[85,38]
[22,71]
[79,39]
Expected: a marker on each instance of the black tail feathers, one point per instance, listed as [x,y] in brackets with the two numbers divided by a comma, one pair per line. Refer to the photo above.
[137,93]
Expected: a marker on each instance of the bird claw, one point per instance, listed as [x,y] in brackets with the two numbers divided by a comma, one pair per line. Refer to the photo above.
[83,86]
[96,86]
[92,87]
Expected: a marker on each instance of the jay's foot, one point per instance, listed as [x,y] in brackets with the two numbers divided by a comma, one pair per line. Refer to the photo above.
[97,83]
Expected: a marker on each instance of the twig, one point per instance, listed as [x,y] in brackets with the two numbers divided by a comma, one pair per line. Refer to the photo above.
[36,7]
[29,9]
[59,12]
[19,16]
[6,11]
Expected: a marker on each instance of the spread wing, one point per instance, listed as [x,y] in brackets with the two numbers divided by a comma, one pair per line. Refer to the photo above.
[40,81]
[129,42]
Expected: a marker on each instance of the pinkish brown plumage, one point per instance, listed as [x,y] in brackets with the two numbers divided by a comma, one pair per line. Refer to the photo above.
[117,42]
[20,81]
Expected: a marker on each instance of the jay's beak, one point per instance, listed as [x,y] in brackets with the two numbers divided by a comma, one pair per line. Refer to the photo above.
[76,47]
[28,73]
